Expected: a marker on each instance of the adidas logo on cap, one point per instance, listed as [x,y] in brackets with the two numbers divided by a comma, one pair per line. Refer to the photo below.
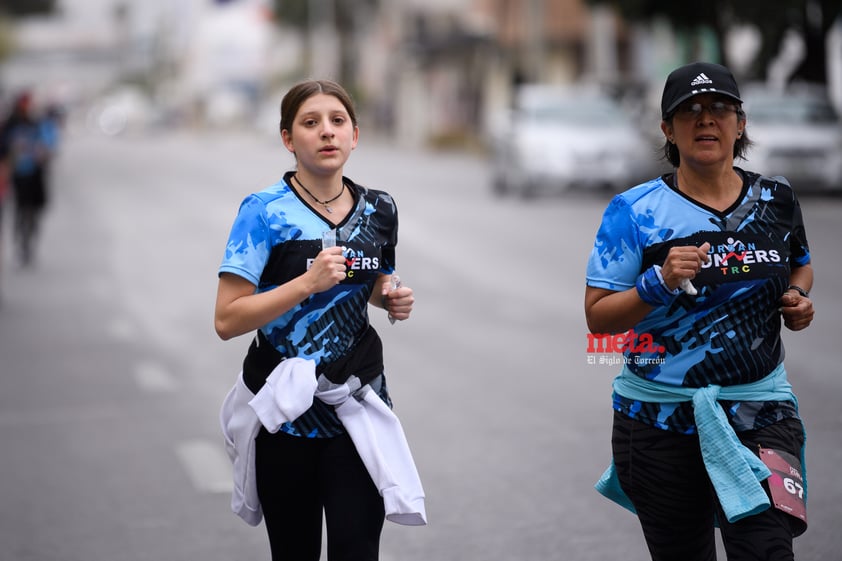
[701,79]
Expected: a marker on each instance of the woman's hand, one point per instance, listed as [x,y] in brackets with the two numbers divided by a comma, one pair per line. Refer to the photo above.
[796,310]
[684,262]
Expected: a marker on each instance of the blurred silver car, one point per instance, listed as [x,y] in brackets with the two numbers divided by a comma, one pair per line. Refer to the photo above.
[796,134]
[555,139]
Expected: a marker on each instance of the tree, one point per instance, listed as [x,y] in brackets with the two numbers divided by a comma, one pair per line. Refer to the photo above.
[19,8]
[348,17]
[10,9]
[812,19]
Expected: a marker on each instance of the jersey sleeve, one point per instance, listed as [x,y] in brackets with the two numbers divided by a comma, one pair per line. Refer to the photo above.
[384,205]
[388,250]
[798,246]
[249,243]
[617,254]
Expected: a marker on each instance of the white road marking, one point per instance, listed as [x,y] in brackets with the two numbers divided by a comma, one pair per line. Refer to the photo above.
[207,465]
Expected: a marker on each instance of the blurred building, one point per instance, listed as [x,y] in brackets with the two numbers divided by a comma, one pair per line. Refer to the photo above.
[423,71]
[458,62]
[63,58]
[179,59]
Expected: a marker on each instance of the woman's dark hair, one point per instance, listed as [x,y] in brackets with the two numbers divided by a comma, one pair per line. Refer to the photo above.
[302,91]
[741,146]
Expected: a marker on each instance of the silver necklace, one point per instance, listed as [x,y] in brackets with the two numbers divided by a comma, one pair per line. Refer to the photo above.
[326,203]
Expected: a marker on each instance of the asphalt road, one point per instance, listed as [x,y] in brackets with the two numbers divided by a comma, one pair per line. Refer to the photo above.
[111,376]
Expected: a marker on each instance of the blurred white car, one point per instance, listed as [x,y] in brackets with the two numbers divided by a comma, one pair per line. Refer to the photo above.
[556,139]
[796,134]
[122,110]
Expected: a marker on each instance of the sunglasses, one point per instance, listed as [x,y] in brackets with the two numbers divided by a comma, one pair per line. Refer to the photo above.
[716,109]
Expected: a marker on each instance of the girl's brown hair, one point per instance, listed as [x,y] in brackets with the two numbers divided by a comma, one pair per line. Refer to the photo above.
[302,91]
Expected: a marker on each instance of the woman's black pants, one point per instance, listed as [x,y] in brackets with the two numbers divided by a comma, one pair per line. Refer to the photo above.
[663,474]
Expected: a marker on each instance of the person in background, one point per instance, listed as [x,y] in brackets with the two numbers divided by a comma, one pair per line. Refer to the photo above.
[28,152]
[52,123]
[703,266]
[308,298]
[4,193]
[4,161]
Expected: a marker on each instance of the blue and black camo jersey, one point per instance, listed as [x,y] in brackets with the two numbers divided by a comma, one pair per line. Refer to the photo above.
[274,239]
[730,332]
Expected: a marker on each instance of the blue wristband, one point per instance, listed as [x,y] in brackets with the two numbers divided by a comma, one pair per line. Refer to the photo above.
[652,288]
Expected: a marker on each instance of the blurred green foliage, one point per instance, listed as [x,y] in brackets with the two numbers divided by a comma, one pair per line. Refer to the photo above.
[17,8]
[11,9]
[772,18]
[347,17]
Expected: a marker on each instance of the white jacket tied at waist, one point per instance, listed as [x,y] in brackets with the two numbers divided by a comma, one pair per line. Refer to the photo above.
[373,427]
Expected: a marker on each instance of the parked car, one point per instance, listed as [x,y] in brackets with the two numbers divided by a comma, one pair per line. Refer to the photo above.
[797,134]
[555,139]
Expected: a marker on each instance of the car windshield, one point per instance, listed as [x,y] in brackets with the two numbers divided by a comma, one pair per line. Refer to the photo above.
[791,111]
[580,112]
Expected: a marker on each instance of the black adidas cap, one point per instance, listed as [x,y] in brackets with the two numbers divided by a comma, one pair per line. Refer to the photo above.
[694,79]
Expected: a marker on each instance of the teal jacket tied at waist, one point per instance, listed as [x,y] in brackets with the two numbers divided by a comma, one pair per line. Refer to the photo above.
[734,470]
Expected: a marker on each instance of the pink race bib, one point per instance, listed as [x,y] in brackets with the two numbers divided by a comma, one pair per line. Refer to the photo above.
[786,483]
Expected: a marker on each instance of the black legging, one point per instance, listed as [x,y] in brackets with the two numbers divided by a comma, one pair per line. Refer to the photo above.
[298,479]
[663,474]
[30,200]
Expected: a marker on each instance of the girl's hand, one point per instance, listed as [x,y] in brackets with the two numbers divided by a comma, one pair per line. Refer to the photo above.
[328,269]
[398,302]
